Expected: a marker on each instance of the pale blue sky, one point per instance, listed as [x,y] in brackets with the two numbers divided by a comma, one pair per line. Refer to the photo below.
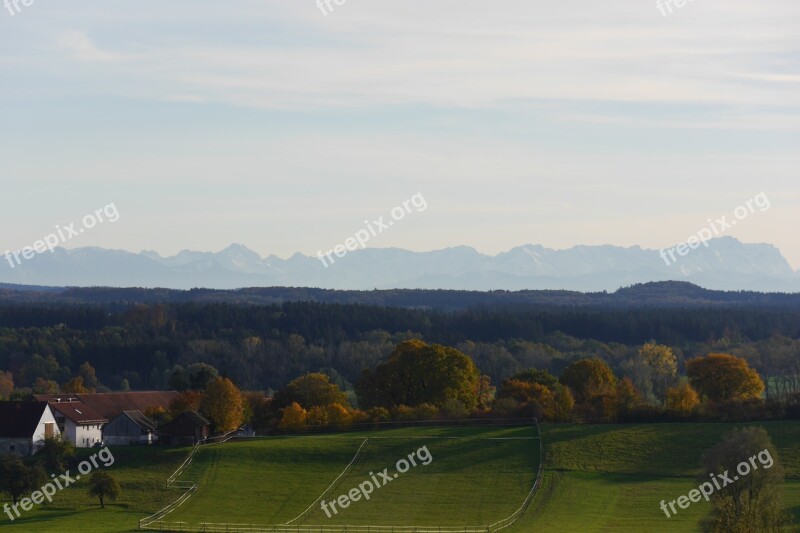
[270,124]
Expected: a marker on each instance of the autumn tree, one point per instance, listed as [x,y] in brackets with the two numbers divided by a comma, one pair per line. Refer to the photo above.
[103,485]
[187,401]
[535,398]
[418,373]
[310,391]
[158,415]
[6,385]
[589,378]
[723,377]
[753,500]
[293,416]
[682,399]
[222,404]
[74,386]
[627,397]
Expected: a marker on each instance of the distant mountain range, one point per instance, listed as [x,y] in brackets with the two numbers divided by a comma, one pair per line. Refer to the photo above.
[726,264]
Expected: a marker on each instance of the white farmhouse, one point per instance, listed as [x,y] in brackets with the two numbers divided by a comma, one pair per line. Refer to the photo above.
[81,424]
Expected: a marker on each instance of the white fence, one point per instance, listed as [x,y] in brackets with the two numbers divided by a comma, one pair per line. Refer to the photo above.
[155,522]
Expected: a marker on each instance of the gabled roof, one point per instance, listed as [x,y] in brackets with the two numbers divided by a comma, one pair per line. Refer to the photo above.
[140,420]
[18,420]
[78,412]
[112,404]
[191,416]
[196,417]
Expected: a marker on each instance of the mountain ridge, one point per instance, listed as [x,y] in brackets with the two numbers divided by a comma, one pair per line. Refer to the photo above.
[725,264]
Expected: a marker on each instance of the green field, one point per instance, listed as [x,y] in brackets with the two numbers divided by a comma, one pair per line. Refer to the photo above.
[598,478]
[476,476]
[142,473]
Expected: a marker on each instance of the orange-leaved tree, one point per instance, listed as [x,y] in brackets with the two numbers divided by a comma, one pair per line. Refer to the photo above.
[723,377]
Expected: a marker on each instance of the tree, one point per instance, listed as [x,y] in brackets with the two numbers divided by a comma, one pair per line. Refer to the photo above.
[103,485]
[187,401]
[753,501]
[661,365]
[589,378]
[87,372]
[723,377]
[6,385]
[194,377]
[45,386]
[628,397]
[534,375]
[564,403]
[311,390]
[201,375]
[57,451]
[158,415]
[74,386]
[17,479]
[682,400]
[293,416]
[418,373]
[222,404]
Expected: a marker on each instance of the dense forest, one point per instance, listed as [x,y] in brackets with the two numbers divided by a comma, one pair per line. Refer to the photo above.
[262,347]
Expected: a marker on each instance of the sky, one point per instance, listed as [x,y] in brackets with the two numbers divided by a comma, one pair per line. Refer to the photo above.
[285,128]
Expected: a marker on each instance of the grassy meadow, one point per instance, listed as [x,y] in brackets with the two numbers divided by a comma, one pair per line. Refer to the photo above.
[597,478]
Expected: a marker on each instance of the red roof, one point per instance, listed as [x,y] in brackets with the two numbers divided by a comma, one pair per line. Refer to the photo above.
[111,404]
[78,412]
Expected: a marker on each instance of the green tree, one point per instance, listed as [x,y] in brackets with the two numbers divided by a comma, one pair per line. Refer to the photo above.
[311,390]
[56,451]
[534,375]
[753,501]
[103,485]
[17,479]
[87,372]
[418,373]
[662,367]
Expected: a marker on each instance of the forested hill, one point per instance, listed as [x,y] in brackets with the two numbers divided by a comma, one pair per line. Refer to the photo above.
[657,294]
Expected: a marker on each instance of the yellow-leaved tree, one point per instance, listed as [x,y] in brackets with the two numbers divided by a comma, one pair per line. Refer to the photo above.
[222,404]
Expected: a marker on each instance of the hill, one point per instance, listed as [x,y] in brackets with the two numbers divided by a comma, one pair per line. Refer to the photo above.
[653,294]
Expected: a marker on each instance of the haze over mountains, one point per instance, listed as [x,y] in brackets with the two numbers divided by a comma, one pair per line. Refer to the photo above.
[726,264]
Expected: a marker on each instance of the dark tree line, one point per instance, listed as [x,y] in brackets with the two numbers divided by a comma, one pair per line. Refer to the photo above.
[265,346]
